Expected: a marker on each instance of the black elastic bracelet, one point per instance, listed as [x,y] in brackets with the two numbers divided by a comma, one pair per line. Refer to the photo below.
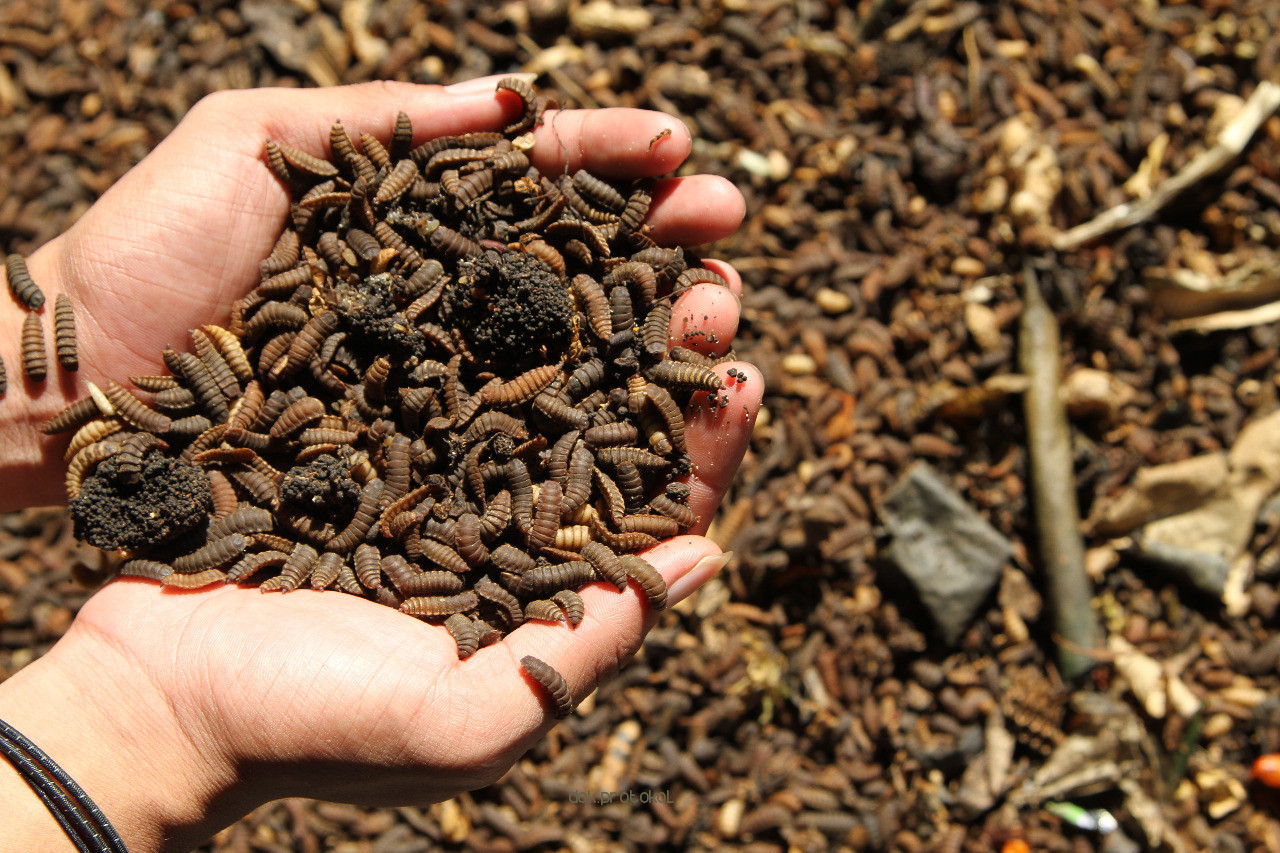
[84,823]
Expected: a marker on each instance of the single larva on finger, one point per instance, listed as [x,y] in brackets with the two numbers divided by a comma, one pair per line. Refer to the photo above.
[35,362]
[64,333]
[21,285]
[553,682]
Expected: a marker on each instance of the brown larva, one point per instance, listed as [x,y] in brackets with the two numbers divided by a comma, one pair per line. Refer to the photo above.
[21,285]
[368,566]
[245,520]
[546,517]
[129,459]
[598,192]
[543,580]
[443,556]
[655,588]
[304,162]
[196,580]
[528,114]
[623,543]
[211,556]
[134,411]
[151,569]
[250,564]
[670,412]
[64,333]
[467,540]
[439,605]
[366,513]
[283,255]
[297,569]
[375,150]
[606,563]
[572,604]
[452,243]
[636,210]
[688,377]
[658,526]
[297,415]
[682,514]
[642,459]
[464,634]
[621,312]
[696,275]
[401,136]
[582,207]
[558,410]
[423,583]
[522,388]
[507,604]
[326,570]
[553,682]
[34,360]
[496,517]
[509,558]
[72,417]
[85,459]
[543,610]
[578,480]
[610,435]
[397,182]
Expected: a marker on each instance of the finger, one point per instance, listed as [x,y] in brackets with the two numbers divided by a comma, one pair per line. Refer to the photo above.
[610,633]
[695,210]
[615,142]
[718,434]
[705,319]
[727,272]
[304,118]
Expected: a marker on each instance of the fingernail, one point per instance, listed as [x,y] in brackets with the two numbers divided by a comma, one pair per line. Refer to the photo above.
[483,85]
[702,571]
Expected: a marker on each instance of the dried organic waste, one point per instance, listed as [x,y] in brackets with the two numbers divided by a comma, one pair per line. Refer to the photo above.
[452,392]
[901,161]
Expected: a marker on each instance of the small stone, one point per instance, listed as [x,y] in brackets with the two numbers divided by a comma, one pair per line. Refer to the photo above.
[949,552]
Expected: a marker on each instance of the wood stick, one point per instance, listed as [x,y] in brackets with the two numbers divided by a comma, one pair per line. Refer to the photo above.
[1264,101]
[1053,484]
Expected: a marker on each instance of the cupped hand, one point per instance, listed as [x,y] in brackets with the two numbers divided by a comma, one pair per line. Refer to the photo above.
[232,697]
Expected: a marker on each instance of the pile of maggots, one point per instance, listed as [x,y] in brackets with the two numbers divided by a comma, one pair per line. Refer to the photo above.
[452,392]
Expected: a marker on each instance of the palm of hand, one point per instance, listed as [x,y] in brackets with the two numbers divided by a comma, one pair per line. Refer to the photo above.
[322,678]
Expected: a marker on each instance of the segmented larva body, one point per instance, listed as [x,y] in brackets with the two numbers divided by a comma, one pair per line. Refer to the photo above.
[35,362]
[129,459]
[195,580]
[440,605]
[553,682]
[326,570]
[597,192]
[211,556]
[21,285]
[464,634]
[544,580]
[655,588]
[543,610]
[64,333]
[150,569]
[606,563]
[507,603]
[134,411]
[572,604]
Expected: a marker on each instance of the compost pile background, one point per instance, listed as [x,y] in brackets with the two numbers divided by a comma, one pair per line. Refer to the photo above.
[904,164]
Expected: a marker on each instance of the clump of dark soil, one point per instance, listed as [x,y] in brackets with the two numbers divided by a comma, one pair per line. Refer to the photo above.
[169,499]
[511,308]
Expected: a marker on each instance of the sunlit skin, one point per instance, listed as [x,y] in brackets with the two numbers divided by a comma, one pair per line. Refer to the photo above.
[178,712]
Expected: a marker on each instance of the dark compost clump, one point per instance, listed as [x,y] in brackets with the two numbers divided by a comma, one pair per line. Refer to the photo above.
[451,392]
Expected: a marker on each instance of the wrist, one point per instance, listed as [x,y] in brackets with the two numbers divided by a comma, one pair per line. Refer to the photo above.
[161,780]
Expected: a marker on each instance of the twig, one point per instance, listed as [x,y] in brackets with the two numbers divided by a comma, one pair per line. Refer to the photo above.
[1053,486]
[1231,141]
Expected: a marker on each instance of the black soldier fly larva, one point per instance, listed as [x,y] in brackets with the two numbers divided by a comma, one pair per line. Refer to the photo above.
[450,392]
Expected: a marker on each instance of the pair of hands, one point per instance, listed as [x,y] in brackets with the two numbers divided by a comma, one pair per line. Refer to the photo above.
[179,712]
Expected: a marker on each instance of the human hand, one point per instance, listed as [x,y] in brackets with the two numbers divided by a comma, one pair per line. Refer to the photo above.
[228,698]
[175,241]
